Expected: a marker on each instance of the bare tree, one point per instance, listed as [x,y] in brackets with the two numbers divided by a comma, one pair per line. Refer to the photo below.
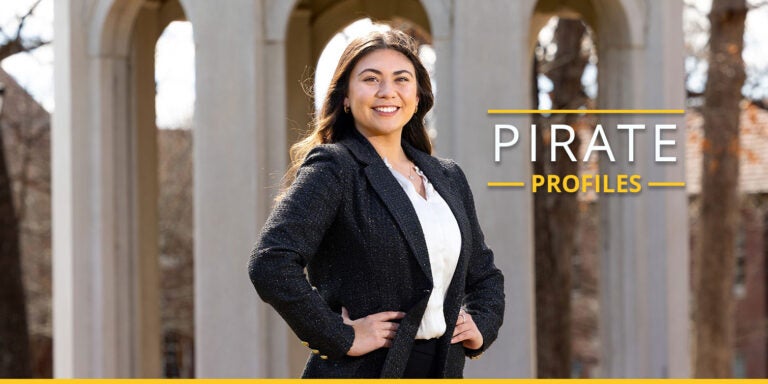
[14,342]
[556,214]
[175,221]
[26,139]
[715,264]
[14,339]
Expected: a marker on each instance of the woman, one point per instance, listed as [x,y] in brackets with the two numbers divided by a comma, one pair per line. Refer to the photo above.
[400,282]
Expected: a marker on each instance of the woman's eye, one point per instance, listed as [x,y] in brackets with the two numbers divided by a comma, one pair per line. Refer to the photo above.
[369,79]
[403,79]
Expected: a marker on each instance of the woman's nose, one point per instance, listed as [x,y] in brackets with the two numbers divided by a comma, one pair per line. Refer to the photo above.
[385,89]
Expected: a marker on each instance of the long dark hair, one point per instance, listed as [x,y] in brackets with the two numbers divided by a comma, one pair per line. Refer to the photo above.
[332,123]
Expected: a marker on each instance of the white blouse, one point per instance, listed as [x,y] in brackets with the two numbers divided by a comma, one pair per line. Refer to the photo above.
[443,238]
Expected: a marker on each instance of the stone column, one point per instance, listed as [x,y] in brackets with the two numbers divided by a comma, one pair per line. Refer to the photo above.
[145,285]
[231,195]
[489,69]
[106,310]
[644,277]
[71,197]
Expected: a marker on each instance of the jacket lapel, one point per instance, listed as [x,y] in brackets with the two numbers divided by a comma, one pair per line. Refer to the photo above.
[395,199]
[437,175]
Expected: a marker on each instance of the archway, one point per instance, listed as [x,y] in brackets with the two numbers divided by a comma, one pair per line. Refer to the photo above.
[107,319]
[640,248]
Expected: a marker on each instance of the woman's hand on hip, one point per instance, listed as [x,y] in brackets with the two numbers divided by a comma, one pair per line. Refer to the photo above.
[373,331]
[466,332]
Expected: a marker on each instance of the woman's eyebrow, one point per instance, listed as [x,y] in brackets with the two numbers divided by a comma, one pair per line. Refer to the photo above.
[376,71]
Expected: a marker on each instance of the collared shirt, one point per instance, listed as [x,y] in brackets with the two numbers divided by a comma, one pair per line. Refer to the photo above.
[443,239]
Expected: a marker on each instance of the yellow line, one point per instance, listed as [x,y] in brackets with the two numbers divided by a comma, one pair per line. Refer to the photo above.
[666,184]
[588,111]
[506,184]
[385,381]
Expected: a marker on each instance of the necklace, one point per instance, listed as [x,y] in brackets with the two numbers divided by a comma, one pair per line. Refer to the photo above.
[411,167]
[410,175]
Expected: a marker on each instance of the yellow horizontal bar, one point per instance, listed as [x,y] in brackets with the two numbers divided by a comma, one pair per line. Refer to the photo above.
[666,184]
[384,381]
[588,111]
[506,184]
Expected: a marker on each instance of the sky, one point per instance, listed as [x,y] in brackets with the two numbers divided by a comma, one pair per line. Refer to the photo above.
[175,57]
[175,76]
[34,71]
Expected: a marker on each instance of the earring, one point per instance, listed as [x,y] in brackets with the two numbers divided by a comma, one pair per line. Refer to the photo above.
[346,109]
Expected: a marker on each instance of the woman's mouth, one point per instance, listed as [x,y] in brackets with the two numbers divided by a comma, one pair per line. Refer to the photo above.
[386,109]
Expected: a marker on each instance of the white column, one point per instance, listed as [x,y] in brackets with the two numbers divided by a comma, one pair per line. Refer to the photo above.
[144,298]
[71,198]
[644,276]
[230,140]
[622,279]
[106,320]
[91,251]
[668,249]
[489,68]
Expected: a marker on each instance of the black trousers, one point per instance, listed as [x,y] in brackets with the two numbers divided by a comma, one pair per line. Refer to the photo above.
[423,360]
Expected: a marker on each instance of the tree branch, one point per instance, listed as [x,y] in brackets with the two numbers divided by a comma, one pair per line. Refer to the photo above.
[17,44]
[24,19]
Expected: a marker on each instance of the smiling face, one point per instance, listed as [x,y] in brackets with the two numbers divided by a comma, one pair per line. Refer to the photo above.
[383,93]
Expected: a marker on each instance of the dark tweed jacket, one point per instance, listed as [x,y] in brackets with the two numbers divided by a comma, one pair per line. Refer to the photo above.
[348,221]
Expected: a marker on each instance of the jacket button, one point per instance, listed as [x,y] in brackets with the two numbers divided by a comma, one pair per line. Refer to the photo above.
[304,343]
[316,352]
[324,357]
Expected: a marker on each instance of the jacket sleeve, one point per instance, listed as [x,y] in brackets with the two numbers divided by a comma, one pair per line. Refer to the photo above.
[484,290]
[288,241]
